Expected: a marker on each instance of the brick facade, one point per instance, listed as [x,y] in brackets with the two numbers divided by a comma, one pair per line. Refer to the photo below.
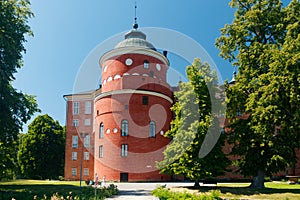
[131,113]
[82,130]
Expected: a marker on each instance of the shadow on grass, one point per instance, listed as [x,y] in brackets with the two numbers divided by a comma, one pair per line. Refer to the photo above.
[29,191]
[245,190]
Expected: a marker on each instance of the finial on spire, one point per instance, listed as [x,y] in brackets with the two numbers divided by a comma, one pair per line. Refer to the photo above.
[135,25]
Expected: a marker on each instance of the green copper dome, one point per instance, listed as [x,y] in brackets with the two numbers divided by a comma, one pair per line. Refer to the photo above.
[135,38]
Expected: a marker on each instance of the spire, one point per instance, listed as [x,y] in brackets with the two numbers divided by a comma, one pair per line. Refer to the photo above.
[135,25]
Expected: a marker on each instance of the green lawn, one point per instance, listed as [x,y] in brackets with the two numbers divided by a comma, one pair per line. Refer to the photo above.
[273,190]
[27,189]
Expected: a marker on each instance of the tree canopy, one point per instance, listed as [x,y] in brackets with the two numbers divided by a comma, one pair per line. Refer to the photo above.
[190,127]
[263,41]
[16,108]
[41,150]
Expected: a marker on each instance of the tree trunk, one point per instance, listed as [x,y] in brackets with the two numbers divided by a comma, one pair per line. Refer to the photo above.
[196,185]
[259,180]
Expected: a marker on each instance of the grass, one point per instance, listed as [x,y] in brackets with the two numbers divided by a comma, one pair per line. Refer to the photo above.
[28,189]
[273,190]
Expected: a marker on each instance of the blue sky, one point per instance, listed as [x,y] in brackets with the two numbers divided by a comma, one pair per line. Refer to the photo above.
[65,32]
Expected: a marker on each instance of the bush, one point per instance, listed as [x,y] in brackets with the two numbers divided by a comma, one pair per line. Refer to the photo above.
[68,193]
[165,194]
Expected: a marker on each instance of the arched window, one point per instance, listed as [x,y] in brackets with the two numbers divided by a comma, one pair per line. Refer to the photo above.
[101,130]
[124,128]
[146,64]
[152,129]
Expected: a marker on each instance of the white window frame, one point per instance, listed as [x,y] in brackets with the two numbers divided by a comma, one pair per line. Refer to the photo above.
[87,122]
[101,130]
[86,155]
[124,150]
[124,127]
[146,64]
[75,108]
[152,129]
[74,155]
[75,122]
[87,141]
[75,141]
[88,107]
[74,171]
[86,171]
[101,151]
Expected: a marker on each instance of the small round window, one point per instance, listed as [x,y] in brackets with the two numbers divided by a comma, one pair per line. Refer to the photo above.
[128,61]
[158,67]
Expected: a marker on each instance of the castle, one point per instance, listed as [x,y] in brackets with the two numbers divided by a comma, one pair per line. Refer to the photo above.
[117,131]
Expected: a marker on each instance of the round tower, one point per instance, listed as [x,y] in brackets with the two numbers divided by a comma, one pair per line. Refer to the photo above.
[132,111]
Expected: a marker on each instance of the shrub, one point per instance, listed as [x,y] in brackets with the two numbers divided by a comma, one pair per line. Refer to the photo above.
[72,193]
[166,194]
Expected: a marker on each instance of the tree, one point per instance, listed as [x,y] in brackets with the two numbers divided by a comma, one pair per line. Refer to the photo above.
[16,108]
[194,121]
[263,41]
[41,150]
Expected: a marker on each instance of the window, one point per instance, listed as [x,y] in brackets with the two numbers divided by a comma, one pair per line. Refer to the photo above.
[74,155]
[75,108]
[152,129]
[101,151]
[74,171]
[87,141]
[128,61]
[101,130]
[87,122]
[74,141]
[145,100]
[124,150]
[86,156]
[124,128]
[146,64]
[75,122]
[88,107]
[86,171]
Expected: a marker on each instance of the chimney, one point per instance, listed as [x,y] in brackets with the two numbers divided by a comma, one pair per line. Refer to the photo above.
[165,53]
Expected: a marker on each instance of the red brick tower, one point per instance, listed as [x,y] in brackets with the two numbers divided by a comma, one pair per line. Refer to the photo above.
[132,112]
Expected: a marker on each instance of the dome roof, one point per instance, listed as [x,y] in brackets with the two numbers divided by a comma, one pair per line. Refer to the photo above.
[135,38]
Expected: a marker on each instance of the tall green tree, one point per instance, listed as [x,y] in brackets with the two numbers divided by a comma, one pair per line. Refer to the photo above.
[263,41]
[41,150]
[16,108]
[193,122]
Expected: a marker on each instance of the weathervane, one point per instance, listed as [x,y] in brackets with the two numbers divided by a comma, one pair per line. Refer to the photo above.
[135,25]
